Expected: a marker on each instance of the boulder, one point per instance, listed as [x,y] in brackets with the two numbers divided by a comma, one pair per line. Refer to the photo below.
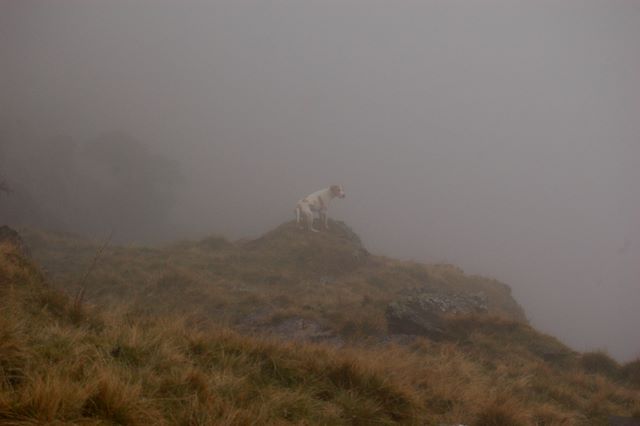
[423,312]
[291,328]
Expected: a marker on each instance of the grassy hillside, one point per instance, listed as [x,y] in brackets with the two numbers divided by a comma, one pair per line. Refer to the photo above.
[59,362]
[69,361]
[327,278]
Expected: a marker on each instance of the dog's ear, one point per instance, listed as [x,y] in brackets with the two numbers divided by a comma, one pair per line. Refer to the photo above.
[335,189]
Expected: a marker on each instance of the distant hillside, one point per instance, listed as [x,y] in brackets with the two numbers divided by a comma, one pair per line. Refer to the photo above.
[290,328]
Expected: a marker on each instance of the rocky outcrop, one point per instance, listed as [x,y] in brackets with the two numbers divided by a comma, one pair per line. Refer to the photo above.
[333,252]
[302,329]
[291,328]
[423,312]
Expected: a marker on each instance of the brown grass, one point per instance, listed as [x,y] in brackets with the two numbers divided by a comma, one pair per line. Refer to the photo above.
[600,362]
[329,277]
[631,372]
[131,366]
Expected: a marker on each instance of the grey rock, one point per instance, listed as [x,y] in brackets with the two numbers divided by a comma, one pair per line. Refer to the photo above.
[422,313]
[297,328]
[326,279]
[289,329]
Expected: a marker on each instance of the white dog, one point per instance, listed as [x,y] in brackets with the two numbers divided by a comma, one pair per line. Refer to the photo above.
[318,202]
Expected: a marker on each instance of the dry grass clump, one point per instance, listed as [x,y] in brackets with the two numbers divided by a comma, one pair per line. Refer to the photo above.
[631,372]
[325,275]
[150,371]
[501,411]
[164,358]
[599,362]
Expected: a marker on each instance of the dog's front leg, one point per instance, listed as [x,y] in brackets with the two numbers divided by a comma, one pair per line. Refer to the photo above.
[310,222]
[324,219]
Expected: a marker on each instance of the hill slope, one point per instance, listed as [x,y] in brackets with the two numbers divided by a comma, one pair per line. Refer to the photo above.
[63,360]
[59,362]
[328,278]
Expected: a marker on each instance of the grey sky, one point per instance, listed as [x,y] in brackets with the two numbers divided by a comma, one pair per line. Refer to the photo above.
[498,135]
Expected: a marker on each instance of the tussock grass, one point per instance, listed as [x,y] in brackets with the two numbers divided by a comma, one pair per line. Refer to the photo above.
[601,363]
[501,411]
[631,372]
[329,276]
[128,365]
[151,371]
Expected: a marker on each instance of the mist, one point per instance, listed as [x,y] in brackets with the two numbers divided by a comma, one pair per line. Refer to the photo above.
[499,136]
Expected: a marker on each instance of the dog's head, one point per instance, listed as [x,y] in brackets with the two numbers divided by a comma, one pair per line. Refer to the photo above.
[337,191]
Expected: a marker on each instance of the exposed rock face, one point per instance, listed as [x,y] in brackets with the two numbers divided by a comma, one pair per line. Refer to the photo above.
[292,328]
[11,236]
[422,312]
[302,329]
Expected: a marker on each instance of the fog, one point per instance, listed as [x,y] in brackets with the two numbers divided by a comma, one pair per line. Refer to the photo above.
[497,135]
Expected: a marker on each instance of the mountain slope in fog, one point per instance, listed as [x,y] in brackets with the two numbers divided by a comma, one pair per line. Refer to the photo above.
[328,279]
[150,359]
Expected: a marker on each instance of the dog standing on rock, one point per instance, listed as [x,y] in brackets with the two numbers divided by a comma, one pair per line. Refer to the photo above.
[318,202]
